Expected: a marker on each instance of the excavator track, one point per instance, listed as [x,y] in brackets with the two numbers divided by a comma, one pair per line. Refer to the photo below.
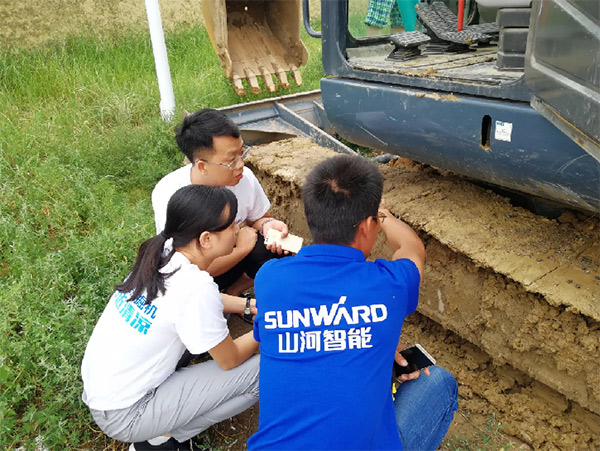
[509,301]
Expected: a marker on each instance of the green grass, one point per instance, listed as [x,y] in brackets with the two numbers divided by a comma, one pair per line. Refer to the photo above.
[81,147]
[490,437]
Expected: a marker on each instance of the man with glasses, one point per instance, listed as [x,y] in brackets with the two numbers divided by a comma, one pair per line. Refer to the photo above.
[329,324]
[212,143]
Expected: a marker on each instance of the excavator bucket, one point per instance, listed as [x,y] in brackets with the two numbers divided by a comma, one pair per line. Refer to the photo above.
[256,38]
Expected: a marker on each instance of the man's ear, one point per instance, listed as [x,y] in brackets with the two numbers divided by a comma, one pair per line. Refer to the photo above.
[362,231]
[366,226]
[364,238]
[200,165]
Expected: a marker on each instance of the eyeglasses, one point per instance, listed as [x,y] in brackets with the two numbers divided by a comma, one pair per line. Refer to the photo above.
[236,163]
[380,217]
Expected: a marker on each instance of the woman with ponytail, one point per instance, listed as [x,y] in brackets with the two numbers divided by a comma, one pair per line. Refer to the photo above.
[168,303]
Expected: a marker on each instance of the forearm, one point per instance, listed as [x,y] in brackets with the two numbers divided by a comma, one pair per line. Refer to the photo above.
[223,264]
[260,222]
[397,233]
[246,346]
[231,353]
[403,240]
[236,304]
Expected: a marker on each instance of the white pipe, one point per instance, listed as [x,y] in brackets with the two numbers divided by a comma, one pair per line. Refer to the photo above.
[161,60]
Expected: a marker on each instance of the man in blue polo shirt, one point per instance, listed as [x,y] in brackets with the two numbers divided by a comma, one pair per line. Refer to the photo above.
[329,325]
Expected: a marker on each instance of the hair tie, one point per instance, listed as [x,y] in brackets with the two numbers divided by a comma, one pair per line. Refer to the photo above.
[164,235]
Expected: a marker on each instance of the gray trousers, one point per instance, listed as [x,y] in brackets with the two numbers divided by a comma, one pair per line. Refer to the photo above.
[189,401]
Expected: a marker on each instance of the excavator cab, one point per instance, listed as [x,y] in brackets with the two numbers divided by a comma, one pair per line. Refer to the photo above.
[512,102]
[257,39]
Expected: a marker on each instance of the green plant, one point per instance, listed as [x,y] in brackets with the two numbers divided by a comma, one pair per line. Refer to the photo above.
[81,147]
[490,437]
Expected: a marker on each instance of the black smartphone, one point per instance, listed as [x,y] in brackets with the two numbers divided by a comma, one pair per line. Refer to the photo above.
[417,359]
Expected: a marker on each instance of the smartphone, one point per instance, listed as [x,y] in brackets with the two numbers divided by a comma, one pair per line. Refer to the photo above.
[417,359]
[290,243]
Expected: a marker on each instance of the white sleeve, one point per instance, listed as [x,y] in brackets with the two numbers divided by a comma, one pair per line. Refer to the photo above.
[163,191]
[160,209]
[261,204]
[200,323]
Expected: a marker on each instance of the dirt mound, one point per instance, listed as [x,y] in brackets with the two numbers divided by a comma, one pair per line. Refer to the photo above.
[496,305]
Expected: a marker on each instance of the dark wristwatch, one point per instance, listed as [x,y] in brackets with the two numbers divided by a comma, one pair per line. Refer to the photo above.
[247,315]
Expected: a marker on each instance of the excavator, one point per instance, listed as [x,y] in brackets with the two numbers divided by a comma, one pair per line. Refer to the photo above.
[503,93]
[514,104]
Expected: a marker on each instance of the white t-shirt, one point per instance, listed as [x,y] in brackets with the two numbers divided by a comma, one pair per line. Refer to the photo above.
[252,200]
[134,347]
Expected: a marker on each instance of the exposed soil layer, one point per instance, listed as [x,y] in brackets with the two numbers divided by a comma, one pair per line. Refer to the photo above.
[519,344]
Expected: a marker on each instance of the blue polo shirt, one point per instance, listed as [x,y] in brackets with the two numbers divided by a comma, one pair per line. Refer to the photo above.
[328,324]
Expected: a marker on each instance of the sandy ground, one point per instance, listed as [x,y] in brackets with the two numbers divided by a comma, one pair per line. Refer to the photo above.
[518,353]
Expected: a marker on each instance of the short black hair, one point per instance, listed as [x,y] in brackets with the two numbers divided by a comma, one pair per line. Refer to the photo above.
[338,194]
[195,134]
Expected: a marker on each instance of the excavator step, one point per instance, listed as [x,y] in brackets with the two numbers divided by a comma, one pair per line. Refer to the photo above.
[490,29]
[407,45]
[440,23]
[409,39]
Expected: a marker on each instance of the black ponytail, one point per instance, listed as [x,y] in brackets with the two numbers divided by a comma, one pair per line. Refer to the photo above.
[192,210]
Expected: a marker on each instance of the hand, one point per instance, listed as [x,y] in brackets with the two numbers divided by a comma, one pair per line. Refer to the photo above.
[402,362]
[383,208]
[277,225]
[253,309]
[246,239]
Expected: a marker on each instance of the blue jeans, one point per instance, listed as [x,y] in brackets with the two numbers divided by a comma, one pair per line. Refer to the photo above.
[425,408]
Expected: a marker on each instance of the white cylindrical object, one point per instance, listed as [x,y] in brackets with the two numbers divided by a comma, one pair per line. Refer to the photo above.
[161,60]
